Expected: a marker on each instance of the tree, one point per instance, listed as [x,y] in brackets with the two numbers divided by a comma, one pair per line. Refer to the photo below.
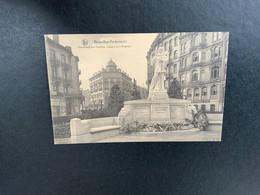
[116,100]
[135,92]
[174,90]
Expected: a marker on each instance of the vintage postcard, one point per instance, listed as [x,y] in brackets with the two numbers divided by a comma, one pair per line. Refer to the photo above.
[150,87]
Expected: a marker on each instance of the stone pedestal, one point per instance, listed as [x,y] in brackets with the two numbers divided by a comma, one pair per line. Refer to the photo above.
[158,107]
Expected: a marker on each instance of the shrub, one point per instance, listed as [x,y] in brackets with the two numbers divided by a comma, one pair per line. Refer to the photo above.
[133,127]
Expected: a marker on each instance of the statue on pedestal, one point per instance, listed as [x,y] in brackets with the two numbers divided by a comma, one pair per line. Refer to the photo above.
[157,83]
[158,77]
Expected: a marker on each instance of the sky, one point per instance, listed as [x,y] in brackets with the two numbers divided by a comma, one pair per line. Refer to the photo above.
[128,51]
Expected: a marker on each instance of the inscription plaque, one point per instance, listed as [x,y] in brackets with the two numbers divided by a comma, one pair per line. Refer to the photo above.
[142,113]
[160,112]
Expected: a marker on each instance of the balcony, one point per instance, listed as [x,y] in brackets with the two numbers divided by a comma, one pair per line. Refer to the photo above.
[196,64]
[73,96]
[55,94]
[201,101]
[203,44]
[56,79]
[65,66]
[55,63]
[80,82]
[170,61]
[216,59]
[79,71]
[67,81]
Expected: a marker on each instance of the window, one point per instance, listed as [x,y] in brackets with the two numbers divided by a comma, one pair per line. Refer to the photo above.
[205,37]
[54,72]
[63,58]
[66,89]
[196,106]
[182,62]
[65,74]
[197,93]
[171,70]
[175,68]
[202,75]
[56,110]
[213,91]
[226,53]
[215,72]
[175,41]
[56,88]
[170,45]
[204,92]
[203,56]
[216,52]
[196,40]
[215,36]
[195,57]
[52,55]
[189,94]
[175,54]
[185,62]
[170,55]
[212,107]
[203,107]
[195,75]
[165,46]
[219,51]
[182,79]
[183,48]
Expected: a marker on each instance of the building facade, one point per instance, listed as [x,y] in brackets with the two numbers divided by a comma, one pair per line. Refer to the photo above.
[63,73]
[198,61]
[101,83]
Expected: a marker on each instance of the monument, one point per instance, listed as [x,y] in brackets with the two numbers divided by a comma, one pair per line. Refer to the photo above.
[158,107]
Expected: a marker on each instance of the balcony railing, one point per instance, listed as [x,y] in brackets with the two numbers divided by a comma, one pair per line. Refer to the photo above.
[170,61]
[67,81]
[65,66]
[201,101]
[73,95]
[216,59]
[55,62]
[56,79]
[56,93]
[203,44]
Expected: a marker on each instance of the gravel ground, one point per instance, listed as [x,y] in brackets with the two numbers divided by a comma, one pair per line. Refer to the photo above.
[171,136]
[193,135]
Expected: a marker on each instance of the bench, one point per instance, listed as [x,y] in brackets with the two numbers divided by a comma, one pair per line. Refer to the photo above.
[95,129]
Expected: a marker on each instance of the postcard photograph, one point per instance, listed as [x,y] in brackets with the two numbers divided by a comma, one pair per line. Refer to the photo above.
[149,87]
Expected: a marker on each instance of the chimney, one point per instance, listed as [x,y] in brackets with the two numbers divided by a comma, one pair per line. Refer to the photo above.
[56,38]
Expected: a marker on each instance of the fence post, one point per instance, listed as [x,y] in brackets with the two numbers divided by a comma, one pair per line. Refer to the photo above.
[74,126]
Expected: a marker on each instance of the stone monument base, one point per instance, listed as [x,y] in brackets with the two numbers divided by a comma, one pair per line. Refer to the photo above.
[158,108]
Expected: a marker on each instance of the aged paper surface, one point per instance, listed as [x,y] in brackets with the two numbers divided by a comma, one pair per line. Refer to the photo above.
[151,87]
